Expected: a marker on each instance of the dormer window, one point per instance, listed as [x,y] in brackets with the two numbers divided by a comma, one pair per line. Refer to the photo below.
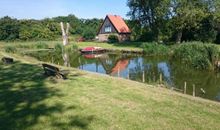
[108,29]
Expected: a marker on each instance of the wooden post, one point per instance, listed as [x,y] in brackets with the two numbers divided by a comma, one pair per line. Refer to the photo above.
[184,91]
[128,74]
[143,77]
[161,78]
[194,90]
[118,72]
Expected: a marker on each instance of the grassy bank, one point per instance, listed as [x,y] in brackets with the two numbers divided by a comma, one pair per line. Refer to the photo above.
[116,46]
[29,100]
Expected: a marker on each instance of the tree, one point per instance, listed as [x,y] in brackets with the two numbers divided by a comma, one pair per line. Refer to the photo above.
[9,28]
[187,14]
[88,34]
[161,19]
[151,14]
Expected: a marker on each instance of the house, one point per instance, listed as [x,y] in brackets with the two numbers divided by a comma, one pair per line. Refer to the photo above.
[114,24]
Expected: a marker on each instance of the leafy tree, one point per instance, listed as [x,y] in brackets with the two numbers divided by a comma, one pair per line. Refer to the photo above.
[151,14]
[176,20]
[9,28]
[88,34]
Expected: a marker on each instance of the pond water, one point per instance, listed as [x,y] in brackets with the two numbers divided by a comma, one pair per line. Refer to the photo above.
[207,83]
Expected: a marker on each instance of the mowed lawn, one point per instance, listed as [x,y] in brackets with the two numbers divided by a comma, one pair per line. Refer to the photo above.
[30,100]
[130,46]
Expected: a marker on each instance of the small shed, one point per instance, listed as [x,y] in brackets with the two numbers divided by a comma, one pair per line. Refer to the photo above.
[114,24]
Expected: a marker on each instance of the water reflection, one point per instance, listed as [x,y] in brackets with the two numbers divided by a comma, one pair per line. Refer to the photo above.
[174,74]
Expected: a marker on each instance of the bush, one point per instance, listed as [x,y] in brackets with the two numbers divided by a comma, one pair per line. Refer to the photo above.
[199,55]
[88,34]
[42,45]
[155,49]
[10,49]
[113,39]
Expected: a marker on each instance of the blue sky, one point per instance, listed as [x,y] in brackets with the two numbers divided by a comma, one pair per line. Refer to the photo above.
[39,9]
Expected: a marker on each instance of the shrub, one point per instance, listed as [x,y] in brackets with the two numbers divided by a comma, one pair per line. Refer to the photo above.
[10,49]
[199,55]
[42,45]
[88,34]
[155,49]
[113,39]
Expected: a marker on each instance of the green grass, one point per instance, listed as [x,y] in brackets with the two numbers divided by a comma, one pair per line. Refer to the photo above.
[30,100]
[134,46]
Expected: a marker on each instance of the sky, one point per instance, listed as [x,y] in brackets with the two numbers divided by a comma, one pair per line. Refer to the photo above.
[39,9]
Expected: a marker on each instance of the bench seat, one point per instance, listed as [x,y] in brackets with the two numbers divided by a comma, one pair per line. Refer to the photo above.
[54,71]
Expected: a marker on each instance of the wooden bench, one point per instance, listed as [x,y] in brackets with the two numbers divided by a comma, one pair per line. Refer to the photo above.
[54,71]
[7,60]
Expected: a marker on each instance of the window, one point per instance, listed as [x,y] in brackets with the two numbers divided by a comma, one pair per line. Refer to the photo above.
[108,29]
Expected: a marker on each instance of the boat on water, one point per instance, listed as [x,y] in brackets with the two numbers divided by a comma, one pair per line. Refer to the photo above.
[92,50]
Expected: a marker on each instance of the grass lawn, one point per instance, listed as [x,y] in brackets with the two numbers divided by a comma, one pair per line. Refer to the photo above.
[30,100]
[135,46]
[132,46]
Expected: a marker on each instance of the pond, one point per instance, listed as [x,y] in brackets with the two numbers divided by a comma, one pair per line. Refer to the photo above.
[174,74]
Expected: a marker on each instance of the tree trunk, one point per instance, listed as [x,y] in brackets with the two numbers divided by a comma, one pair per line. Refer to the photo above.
[179,36]
[65,34]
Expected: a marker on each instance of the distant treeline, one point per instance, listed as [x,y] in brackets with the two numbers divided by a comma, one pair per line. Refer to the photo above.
[163,21]
[46,29]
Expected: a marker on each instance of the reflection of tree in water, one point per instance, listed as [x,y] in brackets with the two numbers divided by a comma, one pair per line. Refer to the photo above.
[207,80]
[152,68]
[59,56]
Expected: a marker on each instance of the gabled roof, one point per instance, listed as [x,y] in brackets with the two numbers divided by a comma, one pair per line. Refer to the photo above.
[119,23]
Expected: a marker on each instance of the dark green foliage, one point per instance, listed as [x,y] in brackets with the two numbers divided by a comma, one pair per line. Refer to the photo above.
[113,38]
[88,34]
[217,40]
[199,55]
[10,49]
[155,49]
[9,29]
[174,21]
[46,29]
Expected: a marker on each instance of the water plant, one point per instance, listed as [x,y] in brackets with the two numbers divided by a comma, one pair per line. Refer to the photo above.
[199,55]
[155,49]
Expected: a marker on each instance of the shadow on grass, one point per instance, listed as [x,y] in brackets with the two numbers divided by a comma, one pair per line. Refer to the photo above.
[22,99]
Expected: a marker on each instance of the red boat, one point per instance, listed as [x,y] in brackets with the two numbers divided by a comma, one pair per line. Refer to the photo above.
[92,50]
[92,56]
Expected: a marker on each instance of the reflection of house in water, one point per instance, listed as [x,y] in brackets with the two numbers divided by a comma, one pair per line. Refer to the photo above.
[120,66]
[112,65]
